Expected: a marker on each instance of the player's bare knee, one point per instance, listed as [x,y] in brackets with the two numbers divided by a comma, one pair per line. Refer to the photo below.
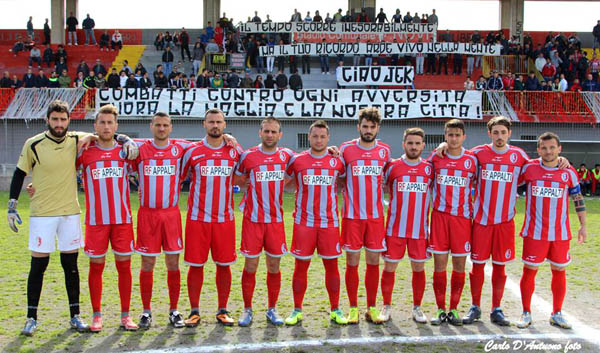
[352,258]
[557,268]
[458,263]
[251,264]
[148,263]
[100,260]
[390,266]
[440,262]
[39,254]
[172,262]
[372,257]
[273,264]
[417,266]
[120,258]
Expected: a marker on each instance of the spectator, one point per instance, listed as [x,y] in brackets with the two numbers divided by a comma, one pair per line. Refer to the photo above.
[30,28]
[324,59]
[296,16]
[168,41]
[184,39]
[99,68]
[113,80]
[19,46]
[269,81]
[123,79]
[433,19]
[233,80]
[131,82]
[5,81]
[219,35]
[424,18]
[585,179]
[247,81]
[198,55]
[589,85]
[89,81]
[293,63]
[481,84]
[596,34]
[64,80]
[47,33]
[295,81]
[443,62]
[268,20]
[594,66]
[41,81]
[596,180]
[167,60]
[469,84]
[337,17]
[35,55]
[83,67]
[116,40]
[204,37]
[362,16]
[281,81]
[495,82]
[540,62]
[161,80]
[138,75]
[212,47]
[407,18]
[563,84]
[104,39]
[416,18]
[203,81]
[72,29]
[174,72]
[347,17]
[78,80]
[308,18]
[145,81]
[159,41]
[545,86]
[256,19]
[48,55]
[519,85]
[140,67]
[556,85]
[88,25]
[186,83]
[280,60]
[15,82]
[457,64]
[159,68]
[217,81]
[29,79]
[397,17]
[532,83]
[381,16]
[210,31]
[317,17]
[548,71]
[508,81]
[258,82]
[100,81]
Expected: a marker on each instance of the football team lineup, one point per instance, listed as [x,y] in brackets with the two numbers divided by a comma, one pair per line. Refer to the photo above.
[432,215]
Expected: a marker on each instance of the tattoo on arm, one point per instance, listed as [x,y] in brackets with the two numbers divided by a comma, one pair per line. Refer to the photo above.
[579,202]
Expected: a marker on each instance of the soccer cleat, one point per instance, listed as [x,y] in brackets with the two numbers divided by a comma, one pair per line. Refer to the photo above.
[175,319]
[453,318]
[557,319]
[145,321]
[223,317]
[193,320]
[418,315]
[473,315]
[96,325]
[525,320]
[337,316]
[497,317]
[274,317]
[127,324]
[353,316]
[30,327]
[373,315]
[439,317]
[386,313]
[78,324]
[246,318]
[294,318]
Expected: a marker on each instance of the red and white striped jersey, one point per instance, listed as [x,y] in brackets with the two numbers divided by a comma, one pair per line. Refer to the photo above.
[159,173]
[263,200]
[547,205]
[316,189]
[410,190]
[363,191]
[497,181]
[106,182]
[211,172]
[454,176]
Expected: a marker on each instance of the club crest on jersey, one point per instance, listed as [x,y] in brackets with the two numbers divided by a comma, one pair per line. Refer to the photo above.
[428,170]
[39,241]
[467,163]
[337,247]
[282,156]
[174,151]
[333,162]
[122,154]
[513,157]
[564,177]
[382,153]
[232,153]
[508,254]
[467,246]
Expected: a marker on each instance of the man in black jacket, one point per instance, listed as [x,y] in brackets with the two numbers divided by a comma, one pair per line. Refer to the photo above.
[596,33]
[281,80]
[295,81]
[46,33]
[99,68]
[5,82]
[184,40]
[41,81]
[88,26]
[48,55]
[167,60]
[113,80]
[29,79]
[145,81]
[72,28]
[161,80]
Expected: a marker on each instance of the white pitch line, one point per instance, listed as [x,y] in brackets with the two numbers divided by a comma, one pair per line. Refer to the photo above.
[241,347]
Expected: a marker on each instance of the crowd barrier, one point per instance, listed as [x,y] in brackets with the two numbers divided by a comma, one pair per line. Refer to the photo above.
[6,96]
[516,64]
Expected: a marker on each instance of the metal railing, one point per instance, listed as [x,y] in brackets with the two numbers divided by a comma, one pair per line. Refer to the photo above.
[517,64]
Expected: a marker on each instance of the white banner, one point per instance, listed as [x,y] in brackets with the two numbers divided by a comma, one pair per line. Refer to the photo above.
[375,75]
[308,103]
[379,48]
[337,27]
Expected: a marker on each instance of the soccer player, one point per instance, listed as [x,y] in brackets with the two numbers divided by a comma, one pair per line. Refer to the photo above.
[546,231]
[451,219]
[264,167]
[316,223]
[409,179]
[54,209]
[363,221]
[108,214]
[159,219]
[210,223]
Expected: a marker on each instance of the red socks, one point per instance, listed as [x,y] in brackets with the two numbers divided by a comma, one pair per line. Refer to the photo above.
[248,284]
[559,289]
[387,286]
[195,278]
[418,286]
[332,282]
[299,282]
[223,280]
[477,277]
[146,282]
[439,288]
[95,284]
[528,286]
[498,282]
[372,284]
[174,285]
[457,283]
[124,272]
[273,286]
[351,277]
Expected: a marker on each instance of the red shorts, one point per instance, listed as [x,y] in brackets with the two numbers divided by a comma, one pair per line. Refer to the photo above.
[158,228]
[555,252]
[497,240]
[396,247]
[219,238]
[256,236]
[306,239]
[97,238]
[367,233]
[449,234]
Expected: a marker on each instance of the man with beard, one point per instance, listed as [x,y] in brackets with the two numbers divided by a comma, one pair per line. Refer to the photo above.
[546,232]
[363,221]
[210,224]
[262,228]
[54,209]
[409,180]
